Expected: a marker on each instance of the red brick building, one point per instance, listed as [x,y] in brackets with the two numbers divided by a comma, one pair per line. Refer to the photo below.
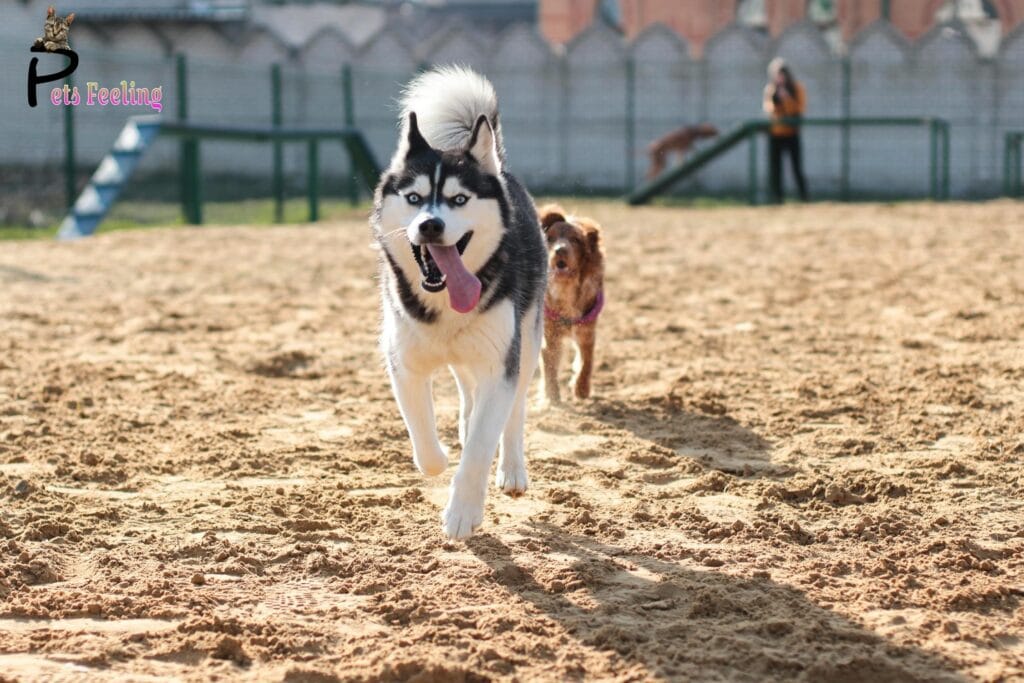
[698,20]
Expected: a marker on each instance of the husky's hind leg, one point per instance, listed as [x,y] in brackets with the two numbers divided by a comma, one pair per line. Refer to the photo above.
[511,476]
[467,385]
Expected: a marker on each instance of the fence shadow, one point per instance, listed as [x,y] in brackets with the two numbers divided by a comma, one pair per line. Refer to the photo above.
[660,621]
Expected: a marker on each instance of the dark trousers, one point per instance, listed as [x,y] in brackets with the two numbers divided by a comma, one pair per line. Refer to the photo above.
[778,146]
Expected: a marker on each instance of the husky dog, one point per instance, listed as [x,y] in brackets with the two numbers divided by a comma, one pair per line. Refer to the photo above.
[463,272]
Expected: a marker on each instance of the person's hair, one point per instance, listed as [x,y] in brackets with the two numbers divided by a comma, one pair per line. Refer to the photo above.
[788,76]
[779,66]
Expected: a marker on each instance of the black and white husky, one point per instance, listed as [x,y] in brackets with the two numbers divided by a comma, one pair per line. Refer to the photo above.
[463,272]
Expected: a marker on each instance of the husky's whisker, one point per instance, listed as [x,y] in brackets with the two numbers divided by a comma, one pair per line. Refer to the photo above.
[389,234]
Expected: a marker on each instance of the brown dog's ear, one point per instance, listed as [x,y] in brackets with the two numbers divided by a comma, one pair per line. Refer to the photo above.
[550,214]
[594,240]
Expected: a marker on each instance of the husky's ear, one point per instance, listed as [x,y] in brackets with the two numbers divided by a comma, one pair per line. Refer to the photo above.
[483,147]
[415,142]
[550,214]
[50,11]
[69,18]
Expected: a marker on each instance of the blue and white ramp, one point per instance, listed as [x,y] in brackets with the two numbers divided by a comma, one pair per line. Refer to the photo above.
[109,179]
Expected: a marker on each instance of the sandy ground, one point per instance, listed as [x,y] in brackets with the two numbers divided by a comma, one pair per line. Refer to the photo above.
[803,461]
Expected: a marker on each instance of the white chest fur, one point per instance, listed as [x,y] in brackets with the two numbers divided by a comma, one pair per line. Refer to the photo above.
[473,340]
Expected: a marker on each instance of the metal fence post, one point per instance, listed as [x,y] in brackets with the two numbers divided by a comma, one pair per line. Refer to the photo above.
[1016,188]
[1013,154]
[1009,159]
[933,159]
[350,122]
[1013,182]
[277,119]
[844,170]
[630,123]
[945,160]
[69,150]
[752,169]
[563,121]
[186,147]
[1011,171]
[1006,166]
[196,189]
[313,173]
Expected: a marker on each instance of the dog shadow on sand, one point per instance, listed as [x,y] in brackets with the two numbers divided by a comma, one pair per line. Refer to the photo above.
[700,430]
[656,620]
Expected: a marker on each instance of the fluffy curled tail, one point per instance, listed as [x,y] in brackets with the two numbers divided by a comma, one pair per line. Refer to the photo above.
[447,102]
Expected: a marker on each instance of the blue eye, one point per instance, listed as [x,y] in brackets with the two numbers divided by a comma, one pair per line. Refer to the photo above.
[459,199]
[413,198]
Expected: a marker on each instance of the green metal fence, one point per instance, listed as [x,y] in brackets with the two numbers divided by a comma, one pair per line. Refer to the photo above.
[277,135]
[751,131]
[191,135]
[354,96]
[1013,147]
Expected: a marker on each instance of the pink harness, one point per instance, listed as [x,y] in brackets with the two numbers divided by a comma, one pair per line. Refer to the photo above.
[589,317]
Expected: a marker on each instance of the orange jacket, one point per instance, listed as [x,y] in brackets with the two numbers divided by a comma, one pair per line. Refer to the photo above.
[788,107]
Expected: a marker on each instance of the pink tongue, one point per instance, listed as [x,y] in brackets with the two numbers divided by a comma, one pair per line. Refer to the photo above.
[463,286]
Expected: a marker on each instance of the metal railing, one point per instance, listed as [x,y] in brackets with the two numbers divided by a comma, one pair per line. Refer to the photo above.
[938,158]
[191,134]
[359,150]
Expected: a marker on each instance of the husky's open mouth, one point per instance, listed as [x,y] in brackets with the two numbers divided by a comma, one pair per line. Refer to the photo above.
[433,279]
[442,268]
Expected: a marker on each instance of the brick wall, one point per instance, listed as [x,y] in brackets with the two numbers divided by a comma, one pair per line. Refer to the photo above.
[698,20]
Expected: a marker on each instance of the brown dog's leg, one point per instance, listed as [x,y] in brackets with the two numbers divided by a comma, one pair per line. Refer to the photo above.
[585,335]
[551,353]
[658,155]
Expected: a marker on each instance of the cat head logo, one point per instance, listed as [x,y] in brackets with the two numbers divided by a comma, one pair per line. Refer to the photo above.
[55,40]
[55,32]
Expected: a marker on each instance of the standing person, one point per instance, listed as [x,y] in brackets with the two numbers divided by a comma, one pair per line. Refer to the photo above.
[784,98]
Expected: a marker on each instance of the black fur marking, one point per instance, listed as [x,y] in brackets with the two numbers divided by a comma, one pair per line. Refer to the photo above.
[475,137]
[389,186]
[512,357]
[417,143]
[410,302]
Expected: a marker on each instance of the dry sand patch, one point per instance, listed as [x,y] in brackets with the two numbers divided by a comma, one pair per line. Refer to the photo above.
[803,460]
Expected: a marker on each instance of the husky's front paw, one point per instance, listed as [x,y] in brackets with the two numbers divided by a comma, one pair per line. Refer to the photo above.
[512,479]
[460,518]
[432,461]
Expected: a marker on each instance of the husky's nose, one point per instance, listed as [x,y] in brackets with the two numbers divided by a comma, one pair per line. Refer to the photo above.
[432,229]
